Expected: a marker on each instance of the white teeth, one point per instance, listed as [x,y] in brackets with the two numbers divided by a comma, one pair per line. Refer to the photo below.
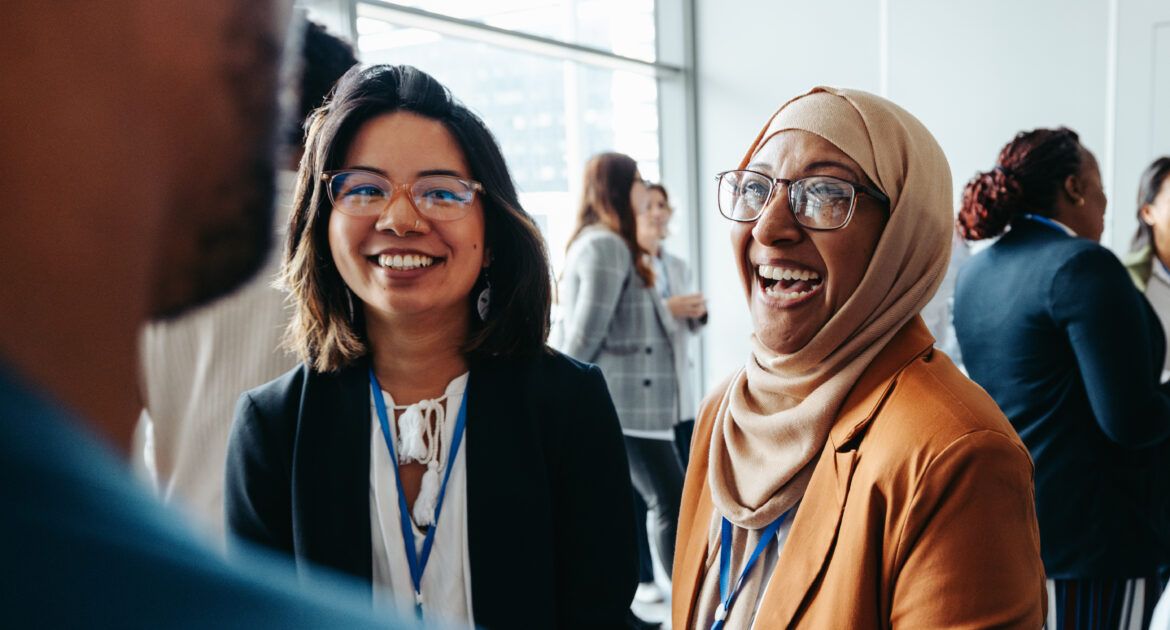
[776,292]
[407,262]
[787,273]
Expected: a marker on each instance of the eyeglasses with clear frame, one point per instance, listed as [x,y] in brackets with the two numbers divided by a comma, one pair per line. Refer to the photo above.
[820,202]
[361,193]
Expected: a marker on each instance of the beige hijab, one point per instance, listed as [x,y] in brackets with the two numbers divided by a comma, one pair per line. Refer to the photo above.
[775,416]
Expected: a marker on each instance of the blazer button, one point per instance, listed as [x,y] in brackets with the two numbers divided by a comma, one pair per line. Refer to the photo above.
[646,382]
[649,350]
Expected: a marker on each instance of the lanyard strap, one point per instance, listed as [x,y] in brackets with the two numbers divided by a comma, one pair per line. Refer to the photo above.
[1047,222]
[727,594]
[417,564]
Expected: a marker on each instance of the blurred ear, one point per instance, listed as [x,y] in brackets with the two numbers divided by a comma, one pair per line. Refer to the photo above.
[1146,214]
[1074,189]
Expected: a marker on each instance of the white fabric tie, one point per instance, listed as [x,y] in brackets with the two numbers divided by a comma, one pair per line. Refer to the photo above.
[419,428]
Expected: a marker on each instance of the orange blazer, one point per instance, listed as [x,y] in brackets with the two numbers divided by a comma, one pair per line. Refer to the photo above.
[919,513]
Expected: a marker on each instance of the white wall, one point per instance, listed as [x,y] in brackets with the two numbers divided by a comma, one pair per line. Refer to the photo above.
[974,71]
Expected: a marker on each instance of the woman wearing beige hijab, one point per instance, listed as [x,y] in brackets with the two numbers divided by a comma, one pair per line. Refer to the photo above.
[849,475]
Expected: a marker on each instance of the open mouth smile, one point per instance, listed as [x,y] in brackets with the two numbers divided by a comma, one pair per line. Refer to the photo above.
[788,284]
[404,262]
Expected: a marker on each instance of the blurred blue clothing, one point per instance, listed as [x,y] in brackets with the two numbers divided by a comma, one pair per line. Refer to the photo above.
[84,547]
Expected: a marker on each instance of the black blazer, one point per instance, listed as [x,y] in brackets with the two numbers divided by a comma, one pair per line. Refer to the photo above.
[549,504]
[1054,330]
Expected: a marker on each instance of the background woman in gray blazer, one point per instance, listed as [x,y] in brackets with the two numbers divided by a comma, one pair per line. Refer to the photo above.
[675,285]
[611,316]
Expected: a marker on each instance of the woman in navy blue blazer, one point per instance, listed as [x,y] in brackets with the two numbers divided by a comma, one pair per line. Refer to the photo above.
[431,443]
[1050,325]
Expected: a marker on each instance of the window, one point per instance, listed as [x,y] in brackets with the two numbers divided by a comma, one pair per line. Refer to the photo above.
[556,81]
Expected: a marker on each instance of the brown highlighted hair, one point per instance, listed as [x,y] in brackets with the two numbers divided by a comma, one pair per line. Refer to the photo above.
[1151,183]
[605,200]
[1027,178]
[328,328]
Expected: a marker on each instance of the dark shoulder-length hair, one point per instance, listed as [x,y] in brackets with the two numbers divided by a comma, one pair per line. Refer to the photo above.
[605,199]
[1148,188]
[327,328]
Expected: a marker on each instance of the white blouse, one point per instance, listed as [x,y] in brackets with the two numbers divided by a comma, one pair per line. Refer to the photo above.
[446,583]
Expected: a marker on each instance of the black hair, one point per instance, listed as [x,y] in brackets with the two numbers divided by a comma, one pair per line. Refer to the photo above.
[325,58]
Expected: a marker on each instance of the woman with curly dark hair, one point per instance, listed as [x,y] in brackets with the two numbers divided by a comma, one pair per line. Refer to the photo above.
[1052,328]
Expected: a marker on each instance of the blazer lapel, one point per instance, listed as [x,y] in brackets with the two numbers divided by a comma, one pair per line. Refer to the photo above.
[331,470]
[811,540]
[810,543]
[663,313]
[501,452]
[690,556]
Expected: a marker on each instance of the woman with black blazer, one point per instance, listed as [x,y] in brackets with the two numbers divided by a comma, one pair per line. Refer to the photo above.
[431,443]
[1053,329]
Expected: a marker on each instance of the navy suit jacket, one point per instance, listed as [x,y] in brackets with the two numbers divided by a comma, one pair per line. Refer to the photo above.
[1051,326]
[549,504]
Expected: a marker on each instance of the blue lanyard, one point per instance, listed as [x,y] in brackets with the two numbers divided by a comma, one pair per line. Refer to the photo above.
[1046,221]
[726,594]
[417,564]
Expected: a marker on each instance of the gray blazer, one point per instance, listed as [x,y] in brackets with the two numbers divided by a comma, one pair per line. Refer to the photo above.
[679,282]
[609,317]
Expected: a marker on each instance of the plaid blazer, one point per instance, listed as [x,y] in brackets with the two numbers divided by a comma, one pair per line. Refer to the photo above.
[609,317]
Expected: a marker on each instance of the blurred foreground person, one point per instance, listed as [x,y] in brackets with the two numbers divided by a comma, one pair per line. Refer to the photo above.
[196,366]
[138,180]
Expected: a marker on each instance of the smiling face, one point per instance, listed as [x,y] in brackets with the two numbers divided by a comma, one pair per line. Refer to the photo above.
[400,263]
[652,220]
[652,223]
[799,278]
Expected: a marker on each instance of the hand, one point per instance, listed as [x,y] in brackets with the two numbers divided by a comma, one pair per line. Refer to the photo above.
[691,306]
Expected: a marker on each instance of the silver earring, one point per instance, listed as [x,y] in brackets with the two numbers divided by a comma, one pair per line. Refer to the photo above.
[483,303]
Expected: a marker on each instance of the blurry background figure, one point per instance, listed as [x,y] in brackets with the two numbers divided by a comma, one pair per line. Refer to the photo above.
[1053,329]
[612,316]
[939,311]
[138,177]
[196,366]
[1148,261]
[675,284]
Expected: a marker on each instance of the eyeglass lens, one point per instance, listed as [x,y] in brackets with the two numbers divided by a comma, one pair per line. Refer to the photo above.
[818,202]
[362,193]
